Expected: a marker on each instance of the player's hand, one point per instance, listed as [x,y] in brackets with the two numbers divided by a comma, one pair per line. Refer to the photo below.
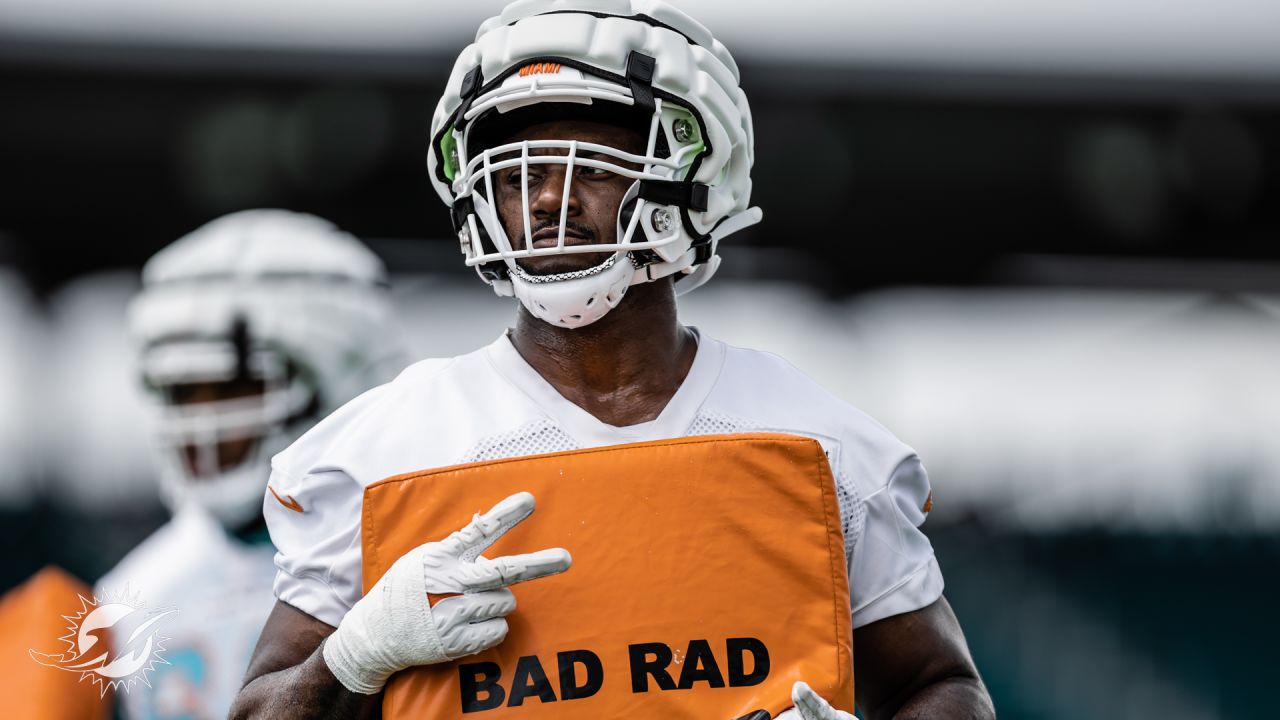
[397,625]
[809,705]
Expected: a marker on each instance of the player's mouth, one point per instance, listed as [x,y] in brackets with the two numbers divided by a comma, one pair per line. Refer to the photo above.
[549,236]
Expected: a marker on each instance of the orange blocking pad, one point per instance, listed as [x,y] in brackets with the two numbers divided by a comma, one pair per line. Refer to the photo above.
[708,575]
[32,619]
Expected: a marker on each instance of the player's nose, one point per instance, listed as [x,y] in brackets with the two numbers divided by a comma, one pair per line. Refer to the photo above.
[548,199]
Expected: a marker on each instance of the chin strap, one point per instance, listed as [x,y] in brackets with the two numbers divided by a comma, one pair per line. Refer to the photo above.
[640,68]
[688,195]
[734,223]
[703,272]
[698,272]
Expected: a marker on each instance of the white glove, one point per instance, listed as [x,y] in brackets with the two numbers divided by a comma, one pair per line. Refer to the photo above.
[395,626]
[809,705]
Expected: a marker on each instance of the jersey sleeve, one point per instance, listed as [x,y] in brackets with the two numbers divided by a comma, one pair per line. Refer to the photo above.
[314,522]
[893,569]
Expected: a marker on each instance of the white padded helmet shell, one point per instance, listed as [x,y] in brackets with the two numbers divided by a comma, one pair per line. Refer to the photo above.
[695,184]
[284,297]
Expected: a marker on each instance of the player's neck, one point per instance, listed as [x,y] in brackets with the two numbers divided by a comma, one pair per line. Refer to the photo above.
[623,368]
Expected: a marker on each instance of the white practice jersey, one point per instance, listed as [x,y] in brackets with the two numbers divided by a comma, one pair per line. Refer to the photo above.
[492,404]
[221,588]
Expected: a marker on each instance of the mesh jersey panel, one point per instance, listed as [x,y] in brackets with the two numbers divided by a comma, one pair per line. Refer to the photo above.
[536,438]
[544,436]
[713,423]
[852,512]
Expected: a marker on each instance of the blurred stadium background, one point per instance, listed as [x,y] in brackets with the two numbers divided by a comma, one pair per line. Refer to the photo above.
[1039,241]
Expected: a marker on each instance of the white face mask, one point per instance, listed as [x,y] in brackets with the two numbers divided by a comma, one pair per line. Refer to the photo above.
[233,496]
[569,299]
[269,421]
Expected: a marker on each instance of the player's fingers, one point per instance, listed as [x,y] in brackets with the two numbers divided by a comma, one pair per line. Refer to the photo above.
[475,637]
[485,529]
[531,566]
[811,705]
[474,607]
[486,574]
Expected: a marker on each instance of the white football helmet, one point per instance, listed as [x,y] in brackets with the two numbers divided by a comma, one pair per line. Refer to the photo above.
[280,302]
[693,187]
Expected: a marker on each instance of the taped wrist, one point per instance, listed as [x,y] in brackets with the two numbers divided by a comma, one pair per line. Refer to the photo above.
[349,653]
[388,630]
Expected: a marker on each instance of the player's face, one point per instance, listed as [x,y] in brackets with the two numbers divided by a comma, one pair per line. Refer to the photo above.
[594,195]
[229,453]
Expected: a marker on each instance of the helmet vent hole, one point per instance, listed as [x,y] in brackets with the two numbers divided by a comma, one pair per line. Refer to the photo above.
[591,301]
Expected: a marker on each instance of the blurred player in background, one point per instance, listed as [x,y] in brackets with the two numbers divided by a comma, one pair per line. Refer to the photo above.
[249,330]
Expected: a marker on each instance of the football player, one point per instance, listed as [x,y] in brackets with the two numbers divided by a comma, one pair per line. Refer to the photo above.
[249,330]
[593,154]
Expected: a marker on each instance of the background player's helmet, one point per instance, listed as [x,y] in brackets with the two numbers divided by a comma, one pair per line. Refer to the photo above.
[283,303]
[695,184]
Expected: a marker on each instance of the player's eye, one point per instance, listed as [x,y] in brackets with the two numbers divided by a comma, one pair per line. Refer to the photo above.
[514,178]
[592,172]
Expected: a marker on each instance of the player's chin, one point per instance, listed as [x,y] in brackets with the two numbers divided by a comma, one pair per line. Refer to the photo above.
[560,264]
